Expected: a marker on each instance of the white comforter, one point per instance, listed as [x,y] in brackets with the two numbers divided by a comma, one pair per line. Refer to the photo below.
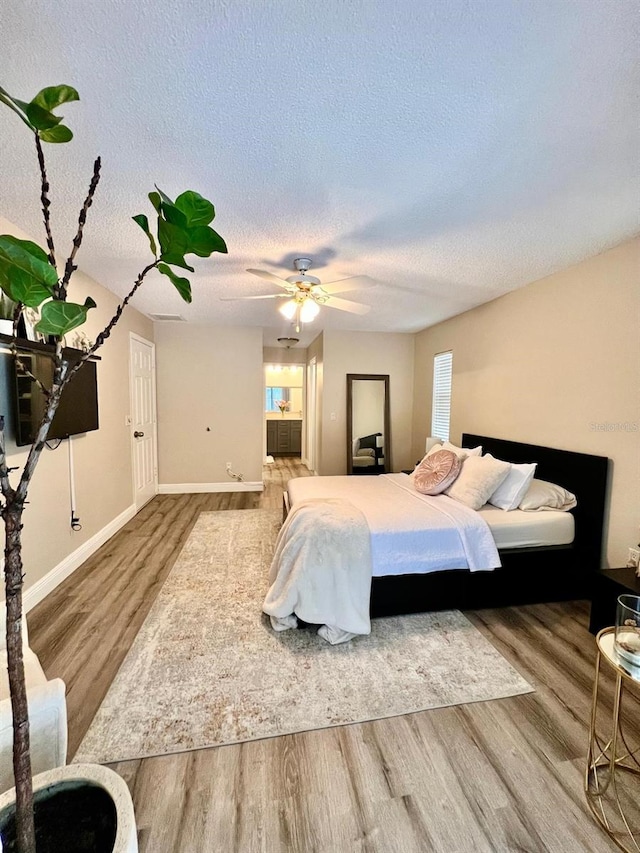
[410,532]
[321,571]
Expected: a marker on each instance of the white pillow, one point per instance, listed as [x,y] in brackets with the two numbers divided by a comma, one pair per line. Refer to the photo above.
[478,480]
[462,452]
[514,487]
[542,495]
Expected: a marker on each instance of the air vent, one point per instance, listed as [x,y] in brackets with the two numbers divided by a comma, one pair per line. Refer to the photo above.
[167,318]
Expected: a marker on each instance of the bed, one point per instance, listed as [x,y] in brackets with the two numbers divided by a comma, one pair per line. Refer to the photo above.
[545,557]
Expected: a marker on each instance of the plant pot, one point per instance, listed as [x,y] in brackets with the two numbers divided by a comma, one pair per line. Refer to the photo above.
[80,808]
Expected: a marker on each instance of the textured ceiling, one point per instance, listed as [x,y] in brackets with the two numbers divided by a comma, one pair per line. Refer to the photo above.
[452,150]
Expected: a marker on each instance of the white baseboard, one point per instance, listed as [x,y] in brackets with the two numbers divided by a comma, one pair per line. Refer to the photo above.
[34,594]
[197,488]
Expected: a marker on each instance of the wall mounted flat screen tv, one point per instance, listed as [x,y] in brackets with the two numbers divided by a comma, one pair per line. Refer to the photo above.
[78,409]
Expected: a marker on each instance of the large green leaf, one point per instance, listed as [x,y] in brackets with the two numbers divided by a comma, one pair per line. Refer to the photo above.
[174,243]
[182,285]
[176,261]
[204,240]
[40,118]
[38,113]
[22,287]
[58,318]
[156,201]
[197,210]
[173,215]
[54,96]
[61,133]
[165,198]
[143,222]
[29,257]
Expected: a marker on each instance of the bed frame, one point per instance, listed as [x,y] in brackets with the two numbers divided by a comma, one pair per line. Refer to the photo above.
[528,575]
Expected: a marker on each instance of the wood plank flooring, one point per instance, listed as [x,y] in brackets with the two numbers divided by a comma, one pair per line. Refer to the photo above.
[500,776]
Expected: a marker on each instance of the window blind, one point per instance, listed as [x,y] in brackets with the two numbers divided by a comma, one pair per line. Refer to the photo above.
[441,404]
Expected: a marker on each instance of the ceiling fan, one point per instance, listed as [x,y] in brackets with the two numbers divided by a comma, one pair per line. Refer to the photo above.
[305,293]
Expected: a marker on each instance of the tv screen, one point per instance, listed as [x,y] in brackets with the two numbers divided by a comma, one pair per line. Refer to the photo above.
[78,409]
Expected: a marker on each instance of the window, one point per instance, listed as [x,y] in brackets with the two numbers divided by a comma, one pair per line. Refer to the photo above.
[441,405]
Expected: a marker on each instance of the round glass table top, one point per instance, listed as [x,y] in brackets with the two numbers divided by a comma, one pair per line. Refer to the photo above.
[606,641]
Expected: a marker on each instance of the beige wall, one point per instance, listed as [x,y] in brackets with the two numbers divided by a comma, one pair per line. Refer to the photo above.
[555,363]
[103,477]
[282,355]
[210,402]
[365,352]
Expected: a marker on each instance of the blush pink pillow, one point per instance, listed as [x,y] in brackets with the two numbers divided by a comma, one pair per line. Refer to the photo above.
[437,472]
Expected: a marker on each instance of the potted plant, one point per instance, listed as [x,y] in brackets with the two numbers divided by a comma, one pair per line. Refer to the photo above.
[33,277]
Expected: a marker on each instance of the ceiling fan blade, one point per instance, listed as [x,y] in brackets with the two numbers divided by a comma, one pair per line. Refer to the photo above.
[267,296]
[346,305]
[352,282]
[271,277]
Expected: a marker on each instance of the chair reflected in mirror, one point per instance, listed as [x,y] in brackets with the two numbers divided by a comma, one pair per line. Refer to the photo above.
[368,423]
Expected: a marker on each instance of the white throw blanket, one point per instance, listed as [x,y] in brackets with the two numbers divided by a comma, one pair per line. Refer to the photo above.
[321,570]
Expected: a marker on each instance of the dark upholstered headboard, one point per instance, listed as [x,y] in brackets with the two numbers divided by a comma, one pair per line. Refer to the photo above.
[581,473]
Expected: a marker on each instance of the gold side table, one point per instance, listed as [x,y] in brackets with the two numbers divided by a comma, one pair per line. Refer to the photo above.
[612,778]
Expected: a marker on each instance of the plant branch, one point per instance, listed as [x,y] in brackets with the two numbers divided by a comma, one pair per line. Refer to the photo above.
[23,367]
[46,202]
[69,269]
[43,431]
[12,516]
[25,829]
[106,332]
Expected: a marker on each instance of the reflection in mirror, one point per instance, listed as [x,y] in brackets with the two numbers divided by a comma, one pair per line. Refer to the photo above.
[275,394]
[368,423]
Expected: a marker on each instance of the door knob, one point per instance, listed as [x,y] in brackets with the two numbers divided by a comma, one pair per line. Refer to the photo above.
[137,434]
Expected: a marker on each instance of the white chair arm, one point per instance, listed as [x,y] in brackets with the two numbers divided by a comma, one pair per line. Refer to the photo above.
[47,726]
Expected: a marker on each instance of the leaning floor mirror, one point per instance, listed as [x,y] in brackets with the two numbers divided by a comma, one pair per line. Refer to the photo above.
[368,446]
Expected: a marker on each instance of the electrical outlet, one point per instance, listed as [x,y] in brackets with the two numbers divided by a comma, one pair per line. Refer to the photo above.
[634,558]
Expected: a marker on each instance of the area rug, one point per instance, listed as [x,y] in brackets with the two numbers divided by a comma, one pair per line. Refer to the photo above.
[207,669]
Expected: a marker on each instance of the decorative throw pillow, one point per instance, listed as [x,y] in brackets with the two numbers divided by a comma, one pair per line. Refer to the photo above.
[479,478]
[436,472]
[542,495]
[462,452]
[514,487]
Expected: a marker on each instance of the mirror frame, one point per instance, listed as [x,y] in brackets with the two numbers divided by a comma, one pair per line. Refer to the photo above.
[380,377]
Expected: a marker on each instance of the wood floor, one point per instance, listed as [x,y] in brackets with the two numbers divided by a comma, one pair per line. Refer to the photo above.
[504,775]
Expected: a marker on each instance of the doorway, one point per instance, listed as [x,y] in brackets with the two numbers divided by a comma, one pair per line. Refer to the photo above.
[284,414]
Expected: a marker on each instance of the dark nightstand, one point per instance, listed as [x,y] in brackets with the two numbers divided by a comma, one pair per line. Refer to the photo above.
[608,584]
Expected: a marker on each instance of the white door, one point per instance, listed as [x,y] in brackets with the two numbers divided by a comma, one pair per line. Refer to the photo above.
[142,384]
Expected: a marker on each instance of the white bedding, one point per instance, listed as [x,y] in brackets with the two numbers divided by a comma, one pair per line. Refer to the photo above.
[410,532]
[520,529]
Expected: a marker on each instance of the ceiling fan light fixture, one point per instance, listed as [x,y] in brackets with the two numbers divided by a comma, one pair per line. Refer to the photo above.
[288,309]
[309,311]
